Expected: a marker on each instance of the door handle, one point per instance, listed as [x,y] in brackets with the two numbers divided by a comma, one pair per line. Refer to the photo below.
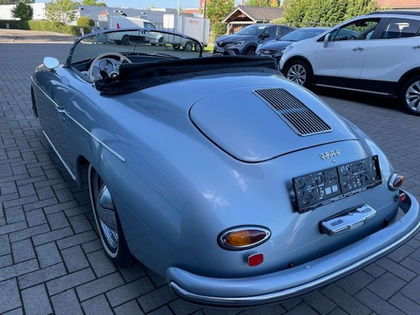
[416,47]
[62,112]
[358,49]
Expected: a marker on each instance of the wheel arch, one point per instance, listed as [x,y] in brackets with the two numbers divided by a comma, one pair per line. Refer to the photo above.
[407,76]
[82,165]
[297,58]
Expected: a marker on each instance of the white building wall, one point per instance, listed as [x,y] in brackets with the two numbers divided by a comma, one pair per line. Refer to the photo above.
[38,8]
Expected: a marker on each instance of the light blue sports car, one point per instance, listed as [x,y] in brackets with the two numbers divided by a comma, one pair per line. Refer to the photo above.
[234,184]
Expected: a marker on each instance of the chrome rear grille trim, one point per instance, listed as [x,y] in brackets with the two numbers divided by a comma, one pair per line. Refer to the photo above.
[297,115]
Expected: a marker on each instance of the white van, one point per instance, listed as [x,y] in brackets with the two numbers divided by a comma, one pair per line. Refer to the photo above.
[122,22]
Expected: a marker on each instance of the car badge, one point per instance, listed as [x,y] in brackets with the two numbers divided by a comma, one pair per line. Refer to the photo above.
[330,155]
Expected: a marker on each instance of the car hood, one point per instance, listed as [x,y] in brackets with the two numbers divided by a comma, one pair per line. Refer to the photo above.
[276,45]
[245,126]
[233,38]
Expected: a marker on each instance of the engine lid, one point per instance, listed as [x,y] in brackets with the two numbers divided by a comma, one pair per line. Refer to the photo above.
[255,125]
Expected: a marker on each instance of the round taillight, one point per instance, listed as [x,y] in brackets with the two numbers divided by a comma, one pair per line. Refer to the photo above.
[243,237]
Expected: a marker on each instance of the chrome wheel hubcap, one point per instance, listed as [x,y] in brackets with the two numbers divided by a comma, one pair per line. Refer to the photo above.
[412,96]
[297,74]
[105,214]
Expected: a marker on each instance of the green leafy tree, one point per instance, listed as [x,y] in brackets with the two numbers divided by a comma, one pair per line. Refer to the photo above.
[61,10]
[301,13]
[263,3]
[217,11]
[93,3]
[22,11]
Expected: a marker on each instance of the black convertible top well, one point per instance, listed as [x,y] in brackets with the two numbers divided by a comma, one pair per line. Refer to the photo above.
[138,76]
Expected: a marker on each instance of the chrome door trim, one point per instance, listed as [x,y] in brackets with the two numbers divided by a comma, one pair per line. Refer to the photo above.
[351,89]
[59,156]
[117,155]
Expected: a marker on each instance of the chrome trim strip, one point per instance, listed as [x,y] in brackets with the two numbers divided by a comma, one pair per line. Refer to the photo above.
[351,89]
[119,156]
[287,293]
[59,156]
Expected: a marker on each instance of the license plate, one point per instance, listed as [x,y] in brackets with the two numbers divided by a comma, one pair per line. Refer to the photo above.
[319,188]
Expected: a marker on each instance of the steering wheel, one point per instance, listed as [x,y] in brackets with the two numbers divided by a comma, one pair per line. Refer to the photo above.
[106,65]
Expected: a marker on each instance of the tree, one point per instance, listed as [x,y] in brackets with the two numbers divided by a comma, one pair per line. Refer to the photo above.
[263,3]
[326,13]
[93,3]
[217,10]
[22,11]
[61,10]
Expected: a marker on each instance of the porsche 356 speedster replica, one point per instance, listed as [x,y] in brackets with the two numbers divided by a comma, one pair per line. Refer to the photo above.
[236,185]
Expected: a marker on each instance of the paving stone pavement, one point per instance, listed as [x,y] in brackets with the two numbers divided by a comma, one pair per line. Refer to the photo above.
[51,260]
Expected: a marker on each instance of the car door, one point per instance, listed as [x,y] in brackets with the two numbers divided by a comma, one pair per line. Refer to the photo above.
[49,107]
[344,54]
[394,52]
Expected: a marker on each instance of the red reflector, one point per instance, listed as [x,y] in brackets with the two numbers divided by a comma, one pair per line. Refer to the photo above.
[255,260]
[403,196]
[118,26]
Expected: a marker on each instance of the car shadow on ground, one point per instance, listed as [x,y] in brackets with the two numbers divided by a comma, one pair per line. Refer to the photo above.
[359,97]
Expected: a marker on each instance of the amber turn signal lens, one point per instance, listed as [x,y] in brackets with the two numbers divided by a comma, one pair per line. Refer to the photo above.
[240,239]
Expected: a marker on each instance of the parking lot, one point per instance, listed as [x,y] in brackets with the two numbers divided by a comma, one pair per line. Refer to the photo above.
[51,260]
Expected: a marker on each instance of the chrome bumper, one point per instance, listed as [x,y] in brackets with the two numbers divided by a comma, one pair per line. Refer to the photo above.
[287,283]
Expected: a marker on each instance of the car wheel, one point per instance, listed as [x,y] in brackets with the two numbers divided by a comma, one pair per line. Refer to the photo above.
[250,51]
[160,42]
[107,221]
[176,46]
[410,96]
[188,46]
[126,40]
[299,72]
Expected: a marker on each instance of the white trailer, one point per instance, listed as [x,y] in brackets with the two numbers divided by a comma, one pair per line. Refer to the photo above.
[194,27]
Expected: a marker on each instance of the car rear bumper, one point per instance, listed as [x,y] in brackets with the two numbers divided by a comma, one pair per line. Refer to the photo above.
[294,281]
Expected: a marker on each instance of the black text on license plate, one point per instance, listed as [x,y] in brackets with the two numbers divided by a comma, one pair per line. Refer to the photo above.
[319,188]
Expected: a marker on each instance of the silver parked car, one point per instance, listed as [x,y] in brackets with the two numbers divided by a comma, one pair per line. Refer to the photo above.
[237,186]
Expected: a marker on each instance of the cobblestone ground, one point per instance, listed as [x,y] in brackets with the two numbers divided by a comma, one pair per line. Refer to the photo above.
[51,260]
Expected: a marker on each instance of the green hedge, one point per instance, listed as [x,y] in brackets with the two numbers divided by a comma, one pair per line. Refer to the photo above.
[48,26]
[84,21]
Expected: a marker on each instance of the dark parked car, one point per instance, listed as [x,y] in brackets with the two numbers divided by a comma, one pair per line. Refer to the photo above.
[245,41]
[275,47]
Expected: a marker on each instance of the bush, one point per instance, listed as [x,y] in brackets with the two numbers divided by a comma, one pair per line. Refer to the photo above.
[47,26]
[84,21]
[218,28]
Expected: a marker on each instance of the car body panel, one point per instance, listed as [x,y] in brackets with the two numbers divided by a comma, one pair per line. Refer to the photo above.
[176,191]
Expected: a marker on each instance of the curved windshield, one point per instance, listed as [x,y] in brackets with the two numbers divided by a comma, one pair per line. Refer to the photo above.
[141,44]
[252,30]
[301,34]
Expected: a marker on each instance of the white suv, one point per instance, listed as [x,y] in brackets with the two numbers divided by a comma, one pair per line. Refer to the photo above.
[377,53]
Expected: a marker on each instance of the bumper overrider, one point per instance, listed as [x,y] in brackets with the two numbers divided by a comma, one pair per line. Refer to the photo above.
[276,286]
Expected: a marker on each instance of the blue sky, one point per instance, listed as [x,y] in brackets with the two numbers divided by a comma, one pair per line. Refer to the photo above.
[144,4]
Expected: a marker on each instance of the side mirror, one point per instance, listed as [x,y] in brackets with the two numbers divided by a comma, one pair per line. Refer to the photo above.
[326,40]
[51,63]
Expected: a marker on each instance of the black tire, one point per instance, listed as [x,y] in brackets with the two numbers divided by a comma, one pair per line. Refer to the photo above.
[299,72]
[126,40]
[176,46]
[189,46]
[410,96]
[250,51]
[119,254]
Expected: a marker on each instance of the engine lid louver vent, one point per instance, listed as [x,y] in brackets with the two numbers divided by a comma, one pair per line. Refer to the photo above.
[298,116]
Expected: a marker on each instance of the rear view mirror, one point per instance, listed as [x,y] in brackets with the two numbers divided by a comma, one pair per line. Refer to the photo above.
[326,40]
[51,63]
